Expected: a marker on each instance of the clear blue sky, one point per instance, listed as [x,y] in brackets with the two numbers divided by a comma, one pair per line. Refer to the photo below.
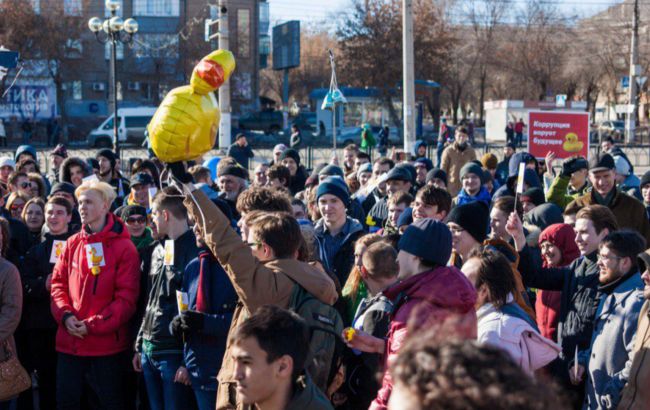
[325,10]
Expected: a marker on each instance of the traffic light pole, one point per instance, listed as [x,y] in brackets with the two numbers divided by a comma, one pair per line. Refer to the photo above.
[224,90]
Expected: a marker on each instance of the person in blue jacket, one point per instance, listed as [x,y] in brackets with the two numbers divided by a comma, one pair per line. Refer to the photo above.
[204,326]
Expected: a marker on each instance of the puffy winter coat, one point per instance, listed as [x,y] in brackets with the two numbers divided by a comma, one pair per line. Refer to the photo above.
[426,300]
[104,302]
[529,349]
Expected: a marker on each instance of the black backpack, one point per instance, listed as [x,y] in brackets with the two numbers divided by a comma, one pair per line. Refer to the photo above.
[325,344]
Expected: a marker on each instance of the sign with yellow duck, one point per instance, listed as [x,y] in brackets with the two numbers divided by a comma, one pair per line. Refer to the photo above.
[57,250]
[562,132]
[95,257]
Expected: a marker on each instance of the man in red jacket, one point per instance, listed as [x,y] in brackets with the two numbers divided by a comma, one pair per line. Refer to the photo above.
[428,295]
[94,291]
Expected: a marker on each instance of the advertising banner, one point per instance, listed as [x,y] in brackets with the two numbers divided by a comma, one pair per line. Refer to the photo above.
[29,101]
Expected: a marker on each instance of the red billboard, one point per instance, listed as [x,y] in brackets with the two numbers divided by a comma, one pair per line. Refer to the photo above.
[564,133]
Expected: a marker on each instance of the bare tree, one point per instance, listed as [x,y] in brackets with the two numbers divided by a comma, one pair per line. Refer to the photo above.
[370,39]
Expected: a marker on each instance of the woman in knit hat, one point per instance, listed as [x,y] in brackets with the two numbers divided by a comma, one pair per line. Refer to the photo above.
[469,227]
[291,159]
[559,249]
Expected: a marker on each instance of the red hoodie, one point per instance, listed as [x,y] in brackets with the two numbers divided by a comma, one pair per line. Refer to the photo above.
[424,300]
[104,302]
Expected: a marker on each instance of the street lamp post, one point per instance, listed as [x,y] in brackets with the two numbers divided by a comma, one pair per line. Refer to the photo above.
[114,30]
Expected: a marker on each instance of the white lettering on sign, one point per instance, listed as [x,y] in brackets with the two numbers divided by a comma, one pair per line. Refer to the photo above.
[547,142]
[560,125]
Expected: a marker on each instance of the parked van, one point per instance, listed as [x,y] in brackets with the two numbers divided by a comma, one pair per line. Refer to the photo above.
[130,128]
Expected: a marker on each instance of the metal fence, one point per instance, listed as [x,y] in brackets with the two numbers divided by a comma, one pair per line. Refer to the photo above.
[312,156]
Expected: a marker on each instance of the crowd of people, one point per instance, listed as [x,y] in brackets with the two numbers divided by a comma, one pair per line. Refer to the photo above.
[363,283]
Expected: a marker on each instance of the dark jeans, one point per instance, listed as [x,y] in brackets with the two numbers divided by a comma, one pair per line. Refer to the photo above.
[102,374]
[206,399]
[37,354]
[159,372]
[519,138]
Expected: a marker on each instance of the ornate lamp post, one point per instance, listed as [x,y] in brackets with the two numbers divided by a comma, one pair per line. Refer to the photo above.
[113,30]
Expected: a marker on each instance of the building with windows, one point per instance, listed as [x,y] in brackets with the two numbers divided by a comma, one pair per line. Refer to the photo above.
[170,40]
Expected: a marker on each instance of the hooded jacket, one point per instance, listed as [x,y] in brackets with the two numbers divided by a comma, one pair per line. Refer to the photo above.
[35,268]
[453,159]
[629,212]
[544,215]
[525,345]
[548,302]
[580,297]
[256,283]
[154,335]
[530,178]
[425,300]
[64,173]
[104,302]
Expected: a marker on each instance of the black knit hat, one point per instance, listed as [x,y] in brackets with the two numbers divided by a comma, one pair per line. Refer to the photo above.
[473,217]
[131,210]
[437,173]
[534,195]
[233,170]
[334,186]
[645,179]
[427,239]
[291,153]
[62,187]
[331,171]
[109,155]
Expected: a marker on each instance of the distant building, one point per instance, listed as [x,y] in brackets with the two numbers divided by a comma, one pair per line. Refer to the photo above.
[170,40]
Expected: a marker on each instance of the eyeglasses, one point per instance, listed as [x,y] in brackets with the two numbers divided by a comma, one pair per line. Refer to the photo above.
[254,244]
[17,207]
[607,258]
[135,220]
[25,185]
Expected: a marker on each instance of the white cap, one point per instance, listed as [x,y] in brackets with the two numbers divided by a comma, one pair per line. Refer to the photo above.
[279,148]
[7,162]
[622,166]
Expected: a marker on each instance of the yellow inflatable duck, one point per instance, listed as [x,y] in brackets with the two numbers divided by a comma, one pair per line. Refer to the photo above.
[571,143]
[186,122]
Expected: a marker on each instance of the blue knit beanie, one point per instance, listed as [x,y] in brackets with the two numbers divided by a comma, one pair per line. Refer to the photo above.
[334,186]
[427,239]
